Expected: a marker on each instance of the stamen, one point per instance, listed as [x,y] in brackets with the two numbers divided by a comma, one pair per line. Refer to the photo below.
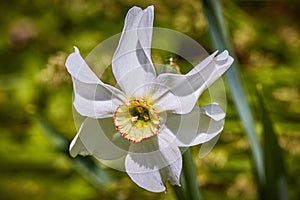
[146,117]
[134,119]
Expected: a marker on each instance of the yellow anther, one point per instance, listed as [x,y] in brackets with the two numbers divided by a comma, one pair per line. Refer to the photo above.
[146,117]
[140,109]
[134,119]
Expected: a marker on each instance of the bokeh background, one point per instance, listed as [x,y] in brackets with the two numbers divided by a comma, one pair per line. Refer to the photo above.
[36,93]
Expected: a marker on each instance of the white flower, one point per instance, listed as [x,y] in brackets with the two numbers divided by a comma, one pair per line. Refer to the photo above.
[143,123]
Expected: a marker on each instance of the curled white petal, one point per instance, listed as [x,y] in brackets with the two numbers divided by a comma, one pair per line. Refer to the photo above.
[197,127]
[210,124]
[190,86]
[214,111]
[79,70]
[131,63]
[93,98]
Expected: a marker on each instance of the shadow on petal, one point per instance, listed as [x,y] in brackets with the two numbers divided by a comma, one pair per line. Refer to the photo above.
[155,161]
[97,138]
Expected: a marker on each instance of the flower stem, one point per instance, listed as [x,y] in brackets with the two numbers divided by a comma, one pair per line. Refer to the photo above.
[190,187]
[179,192]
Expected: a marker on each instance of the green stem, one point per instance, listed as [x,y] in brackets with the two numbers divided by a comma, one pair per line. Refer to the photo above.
[190,186]
[179,192]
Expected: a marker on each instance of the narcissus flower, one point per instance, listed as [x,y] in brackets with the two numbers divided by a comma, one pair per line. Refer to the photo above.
[143,122]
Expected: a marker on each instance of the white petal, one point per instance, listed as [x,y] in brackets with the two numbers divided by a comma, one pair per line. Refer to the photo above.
[118,164]
[159,96]
[197,127]
[95,101]
[189,87]
[172,172]
[184,127]
[214,111]
[78,68]
[131,63]
[93,98]
[208,146]
[208,132]
[171,152]
[95,137]
[77,148]
[153,161]
[151,181]
[145,36]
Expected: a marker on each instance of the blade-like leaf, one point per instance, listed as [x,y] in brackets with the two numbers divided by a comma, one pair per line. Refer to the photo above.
[276,187]
[213,12]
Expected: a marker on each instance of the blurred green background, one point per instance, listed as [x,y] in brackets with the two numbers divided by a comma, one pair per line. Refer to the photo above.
[36,37]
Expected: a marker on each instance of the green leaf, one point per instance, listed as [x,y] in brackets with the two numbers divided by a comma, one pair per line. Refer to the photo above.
[276,186]
[213,12]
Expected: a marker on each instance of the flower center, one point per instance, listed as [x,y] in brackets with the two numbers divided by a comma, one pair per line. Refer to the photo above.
[140,115]
[136,120]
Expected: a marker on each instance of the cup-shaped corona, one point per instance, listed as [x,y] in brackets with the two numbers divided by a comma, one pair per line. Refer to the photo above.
[136,120]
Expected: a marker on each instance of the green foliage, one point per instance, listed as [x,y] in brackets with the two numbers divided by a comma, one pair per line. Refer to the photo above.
[221,41]
[276,185]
